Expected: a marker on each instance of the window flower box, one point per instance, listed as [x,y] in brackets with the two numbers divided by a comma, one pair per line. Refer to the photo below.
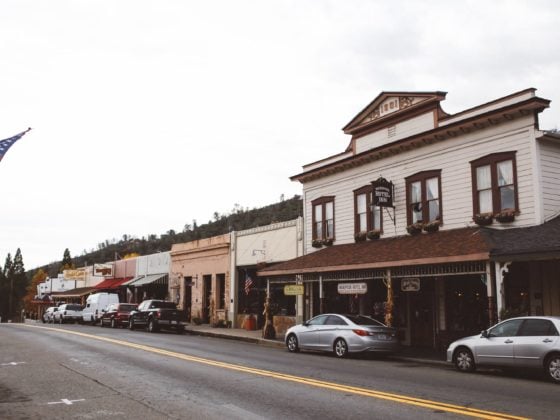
[506,216]
[483,219]
[360,236]
[414,228]
[374,234]
[316,243]
[432,226]
[328,241]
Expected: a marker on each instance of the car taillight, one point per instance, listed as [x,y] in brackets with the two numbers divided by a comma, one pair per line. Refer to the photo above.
[158,314]
[361,333]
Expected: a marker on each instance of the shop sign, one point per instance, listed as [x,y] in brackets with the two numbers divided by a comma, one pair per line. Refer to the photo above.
[352,288]
[382,193]
[105,270]
[74,274]
[410,284]
[293,289]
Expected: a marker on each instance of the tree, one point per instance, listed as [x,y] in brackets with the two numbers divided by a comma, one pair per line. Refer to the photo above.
[66,263]
[39,277]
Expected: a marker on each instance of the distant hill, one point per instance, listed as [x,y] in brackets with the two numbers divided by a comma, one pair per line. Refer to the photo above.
[238,219]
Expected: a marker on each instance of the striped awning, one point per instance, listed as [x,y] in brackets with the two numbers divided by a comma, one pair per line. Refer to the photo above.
[150,279]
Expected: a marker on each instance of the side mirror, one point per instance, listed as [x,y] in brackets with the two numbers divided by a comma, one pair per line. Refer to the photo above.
[484,333]
[306,324]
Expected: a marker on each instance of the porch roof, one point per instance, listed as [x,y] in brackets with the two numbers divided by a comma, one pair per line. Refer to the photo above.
[448,246]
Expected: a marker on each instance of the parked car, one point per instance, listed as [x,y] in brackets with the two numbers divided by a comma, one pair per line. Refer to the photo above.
[68,312]
[524,342]
[48,316]
[155,315]
[95,304]
[117,314]
[342,334]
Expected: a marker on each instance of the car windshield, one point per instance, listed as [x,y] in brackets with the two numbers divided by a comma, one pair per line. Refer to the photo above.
[364,320]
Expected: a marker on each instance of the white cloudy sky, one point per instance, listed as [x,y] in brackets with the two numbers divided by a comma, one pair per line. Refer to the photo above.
[147,114]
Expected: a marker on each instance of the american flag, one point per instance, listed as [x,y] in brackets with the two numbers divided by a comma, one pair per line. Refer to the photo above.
[7,143]
[248,284]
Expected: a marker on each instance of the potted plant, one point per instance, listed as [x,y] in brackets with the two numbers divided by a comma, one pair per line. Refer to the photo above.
[414,228]
[505,216]
[374,234]
[328,241]
[360,236]
[483,219]
[316,243]
[432,226]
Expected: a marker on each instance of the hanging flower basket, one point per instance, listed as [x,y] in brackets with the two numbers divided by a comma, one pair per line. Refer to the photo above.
[328,241]
[374,234]
[360,236]
[432,226]
[316,243]
[507,216]
[414,228]
[483,219]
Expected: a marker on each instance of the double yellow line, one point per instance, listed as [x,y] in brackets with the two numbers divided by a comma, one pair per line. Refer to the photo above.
[402,399]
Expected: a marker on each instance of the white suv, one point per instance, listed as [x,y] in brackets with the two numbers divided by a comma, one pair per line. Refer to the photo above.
[68,312]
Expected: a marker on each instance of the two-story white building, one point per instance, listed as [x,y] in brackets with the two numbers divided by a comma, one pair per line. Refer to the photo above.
[408,223]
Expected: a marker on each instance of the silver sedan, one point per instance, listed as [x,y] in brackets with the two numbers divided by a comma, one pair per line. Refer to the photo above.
[342,334]
[525,342]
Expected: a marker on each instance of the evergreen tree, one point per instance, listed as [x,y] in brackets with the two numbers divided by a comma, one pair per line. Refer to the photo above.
[18,283]
[66,263]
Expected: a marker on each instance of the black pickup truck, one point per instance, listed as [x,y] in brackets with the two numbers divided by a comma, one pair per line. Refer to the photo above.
[155,315]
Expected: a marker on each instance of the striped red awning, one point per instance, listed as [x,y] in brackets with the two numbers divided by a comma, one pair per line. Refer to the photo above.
[112,283]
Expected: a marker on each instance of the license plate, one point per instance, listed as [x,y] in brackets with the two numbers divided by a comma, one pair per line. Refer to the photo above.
[382,336]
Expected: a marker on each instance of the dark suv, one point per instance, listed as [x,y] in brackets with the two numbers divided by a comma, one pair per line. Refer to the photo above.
[155,315]
[117,314]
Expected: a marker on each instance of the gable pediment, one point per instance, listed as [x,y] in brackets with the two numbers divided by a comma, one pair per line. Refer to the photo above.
[392,104]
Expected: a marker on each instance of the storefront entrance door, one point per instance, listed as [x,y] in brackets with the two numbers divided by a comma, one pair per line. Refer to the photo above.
[422,310]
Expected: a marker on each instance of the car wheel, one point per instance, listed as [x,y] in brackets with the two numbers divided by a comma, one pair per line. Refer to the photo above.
[43,319]
[292,343]
[552,368]
[131,324]
[151,327]
[113,323]
[464,360]
[340,348]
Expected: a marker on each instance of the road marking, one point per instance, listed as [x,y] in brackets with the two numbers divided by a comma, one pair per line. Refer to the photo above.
[65,401]
[12,364]
[402,399]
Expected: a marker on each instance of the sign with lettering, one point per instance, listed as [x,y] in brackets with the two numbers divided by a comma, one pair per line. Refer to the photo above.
[74,274]
[410,284]
[352,288]
[105,270]
[293,289]
[382,193]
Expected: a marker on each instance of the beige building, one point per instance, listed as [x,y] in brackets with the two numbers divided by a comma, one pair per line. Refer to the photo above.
[200,278]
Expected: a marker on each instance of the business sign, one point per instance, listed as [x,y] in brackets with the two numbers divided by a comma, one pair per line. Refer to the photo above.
[293,289]
[352,288]
[74,274]
[105,270]
[382,193]
[410,284]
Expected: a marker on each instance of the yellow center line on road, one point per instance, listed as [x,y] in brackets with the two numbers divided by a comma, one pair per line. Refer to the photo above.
[402,399]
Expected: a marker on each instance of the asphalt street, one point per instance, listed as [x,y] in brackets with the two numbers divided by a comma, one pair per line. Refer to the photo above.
[86,372]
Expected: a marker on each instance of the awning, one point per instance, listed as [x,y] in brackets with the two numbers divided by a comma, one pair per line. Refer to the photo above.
[132,280]
[112,283]
[151,279]
[78,292]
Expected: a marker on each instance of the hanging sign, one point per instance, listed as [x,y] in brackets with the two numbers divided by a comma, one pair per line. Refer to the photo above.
[382,193]
[293,289]
[352,288]
[105,270]
[410,284]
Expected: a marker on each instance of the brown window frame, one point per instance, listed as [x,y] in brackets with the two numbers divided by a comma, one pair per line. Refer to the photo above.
[368,190]
[322,201]
[422,177]
[493,159]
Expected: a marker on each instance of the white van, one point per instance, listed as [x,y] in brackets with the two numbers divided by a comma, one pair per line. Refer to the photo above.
[96,303]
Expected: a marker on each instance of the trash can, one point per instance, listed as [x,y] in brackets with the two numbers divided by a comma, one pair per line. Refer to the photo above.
[250,323]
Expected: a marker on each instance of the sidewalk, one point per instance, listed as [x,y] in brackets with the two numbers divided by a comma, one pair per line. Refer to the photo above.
[407,354]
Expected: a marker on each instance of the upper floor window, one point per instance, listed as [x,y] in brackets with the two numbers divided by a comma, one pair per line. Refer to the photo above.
[367,217]
[323,218]
[494,179]
[423,197]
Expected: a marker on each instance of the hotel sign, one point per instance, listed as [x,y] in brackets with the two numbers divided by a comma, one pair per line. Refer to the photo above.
[74,274]
[382,193]
[410,284]
[352,288]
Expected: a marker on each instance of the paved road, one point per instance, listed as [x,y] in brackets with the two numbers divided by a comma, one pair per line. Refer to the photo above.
[85,372]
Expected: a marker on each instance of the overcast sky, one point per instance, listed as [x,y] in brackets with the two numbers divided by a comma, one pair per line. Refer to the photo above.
[147,114]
